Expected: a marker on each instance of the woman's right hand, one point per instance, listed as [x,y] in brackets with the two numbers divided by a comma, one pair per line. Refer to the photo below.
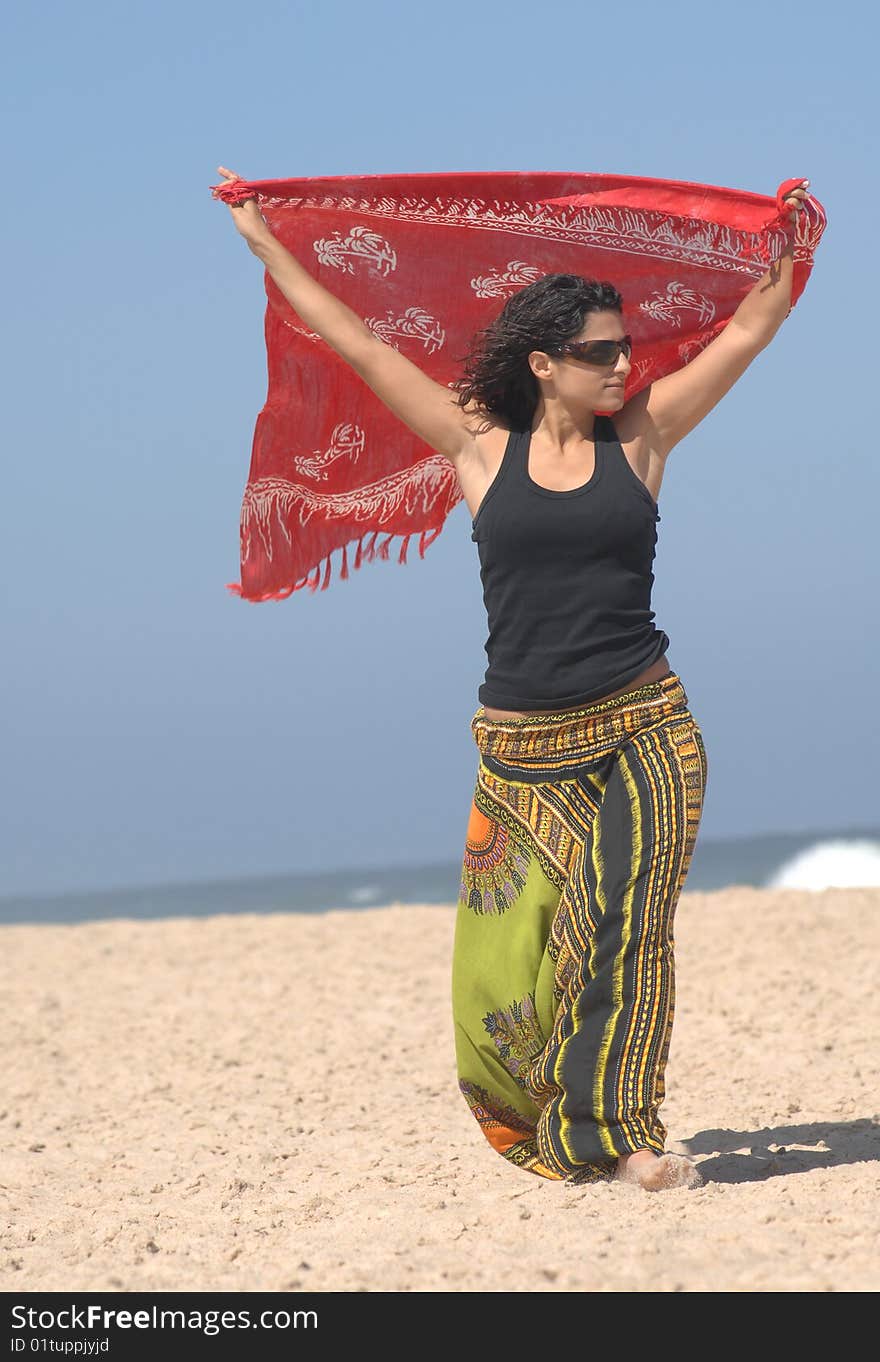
[247,217]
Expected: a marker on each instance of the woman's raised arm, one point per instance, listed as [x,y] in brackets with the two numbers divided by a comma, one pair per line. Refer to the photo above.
[673,405]
[427,407]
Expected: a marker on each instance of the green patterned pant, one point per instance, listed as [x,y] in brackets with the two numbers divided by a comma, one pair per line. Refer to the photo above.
[580,837]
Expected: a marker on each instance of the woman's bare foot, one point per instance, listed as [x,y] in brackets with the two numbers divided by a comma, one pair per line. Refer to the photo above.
[657,1172]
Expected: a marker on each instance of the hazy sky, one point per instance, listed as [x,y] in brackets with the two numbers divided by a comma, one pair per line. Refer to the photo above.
[160,729]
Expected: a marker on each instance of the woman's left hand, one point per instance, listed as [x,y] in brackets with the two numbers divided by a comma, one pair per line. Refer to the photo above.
[794,199]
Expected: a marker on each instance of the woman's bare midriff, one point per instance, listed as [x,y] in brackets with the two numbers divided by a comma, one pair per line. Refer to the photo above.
[653,673]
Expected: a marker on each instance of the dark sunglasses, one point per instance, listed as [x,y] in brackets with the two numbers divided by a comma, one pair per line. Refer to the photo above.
[598,351]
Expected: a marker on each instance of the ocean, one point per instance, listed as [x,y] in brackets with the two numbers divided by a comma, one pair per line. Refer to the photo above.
[810,861]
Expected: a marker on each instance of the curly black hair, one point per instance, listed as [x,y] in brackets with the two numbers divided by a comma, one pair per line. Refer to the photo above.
[542,316]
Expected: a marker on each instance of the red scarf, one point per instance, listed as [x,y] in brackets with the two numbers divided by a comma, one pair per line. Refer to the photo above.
[429,259]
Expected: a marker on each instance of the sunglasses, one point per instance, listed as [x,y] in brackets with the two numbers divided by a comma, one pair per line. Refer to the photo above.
[598,351]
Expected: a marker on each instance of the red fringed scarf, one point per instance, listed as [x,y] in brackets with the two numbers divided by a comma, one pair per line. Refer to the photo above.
[427,260]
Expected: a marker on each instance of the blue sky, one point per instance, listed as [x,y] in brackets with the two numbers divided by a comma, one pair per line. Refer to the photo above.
[159,729]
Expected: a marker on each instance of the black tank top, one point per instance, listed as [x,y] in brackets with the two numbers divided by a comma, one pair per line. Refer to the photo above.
[567,580]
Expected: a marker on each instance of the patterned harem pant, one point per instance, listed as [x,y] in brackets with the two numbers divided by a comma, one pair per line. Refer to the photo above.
[581,833]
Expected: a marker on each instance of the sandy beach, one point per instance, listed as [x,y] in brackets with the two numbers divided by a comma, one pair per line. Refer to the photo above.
[269,1103]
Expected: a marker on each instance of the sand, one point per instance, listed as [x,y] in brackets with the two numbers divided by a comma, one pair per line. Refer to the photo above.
[247,1103]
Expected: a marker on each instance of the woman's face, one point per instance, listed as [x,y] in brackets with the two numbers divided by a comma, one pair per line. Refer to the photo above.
[579,384]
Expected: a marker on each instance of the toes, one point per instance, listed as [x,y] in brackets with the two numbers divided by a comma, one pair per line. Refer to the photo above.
[665,1172]
[674,1170]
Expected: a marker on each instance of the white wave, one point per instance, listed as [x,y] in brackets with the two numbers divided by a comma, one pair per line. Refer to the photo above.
[830,865]
[364,893]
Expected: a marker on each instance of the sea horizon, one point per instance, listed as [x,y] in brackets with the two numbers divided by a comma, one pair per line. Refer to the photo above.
[806,860]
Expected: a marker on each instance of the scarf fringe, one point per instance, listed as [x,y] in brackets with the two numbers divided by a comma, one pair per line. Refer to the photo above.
[760,247]
[366,552]
[426,538]
[370,551]
[234,192]
[783,220]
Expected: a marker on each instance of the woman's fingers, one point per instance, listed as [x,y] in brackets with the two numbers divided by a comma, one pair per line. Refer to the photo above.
[231,178]
[794,199]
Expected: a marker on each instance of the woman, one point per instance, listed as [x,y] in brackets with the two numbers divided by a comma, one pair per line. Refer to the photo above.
[592,770]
